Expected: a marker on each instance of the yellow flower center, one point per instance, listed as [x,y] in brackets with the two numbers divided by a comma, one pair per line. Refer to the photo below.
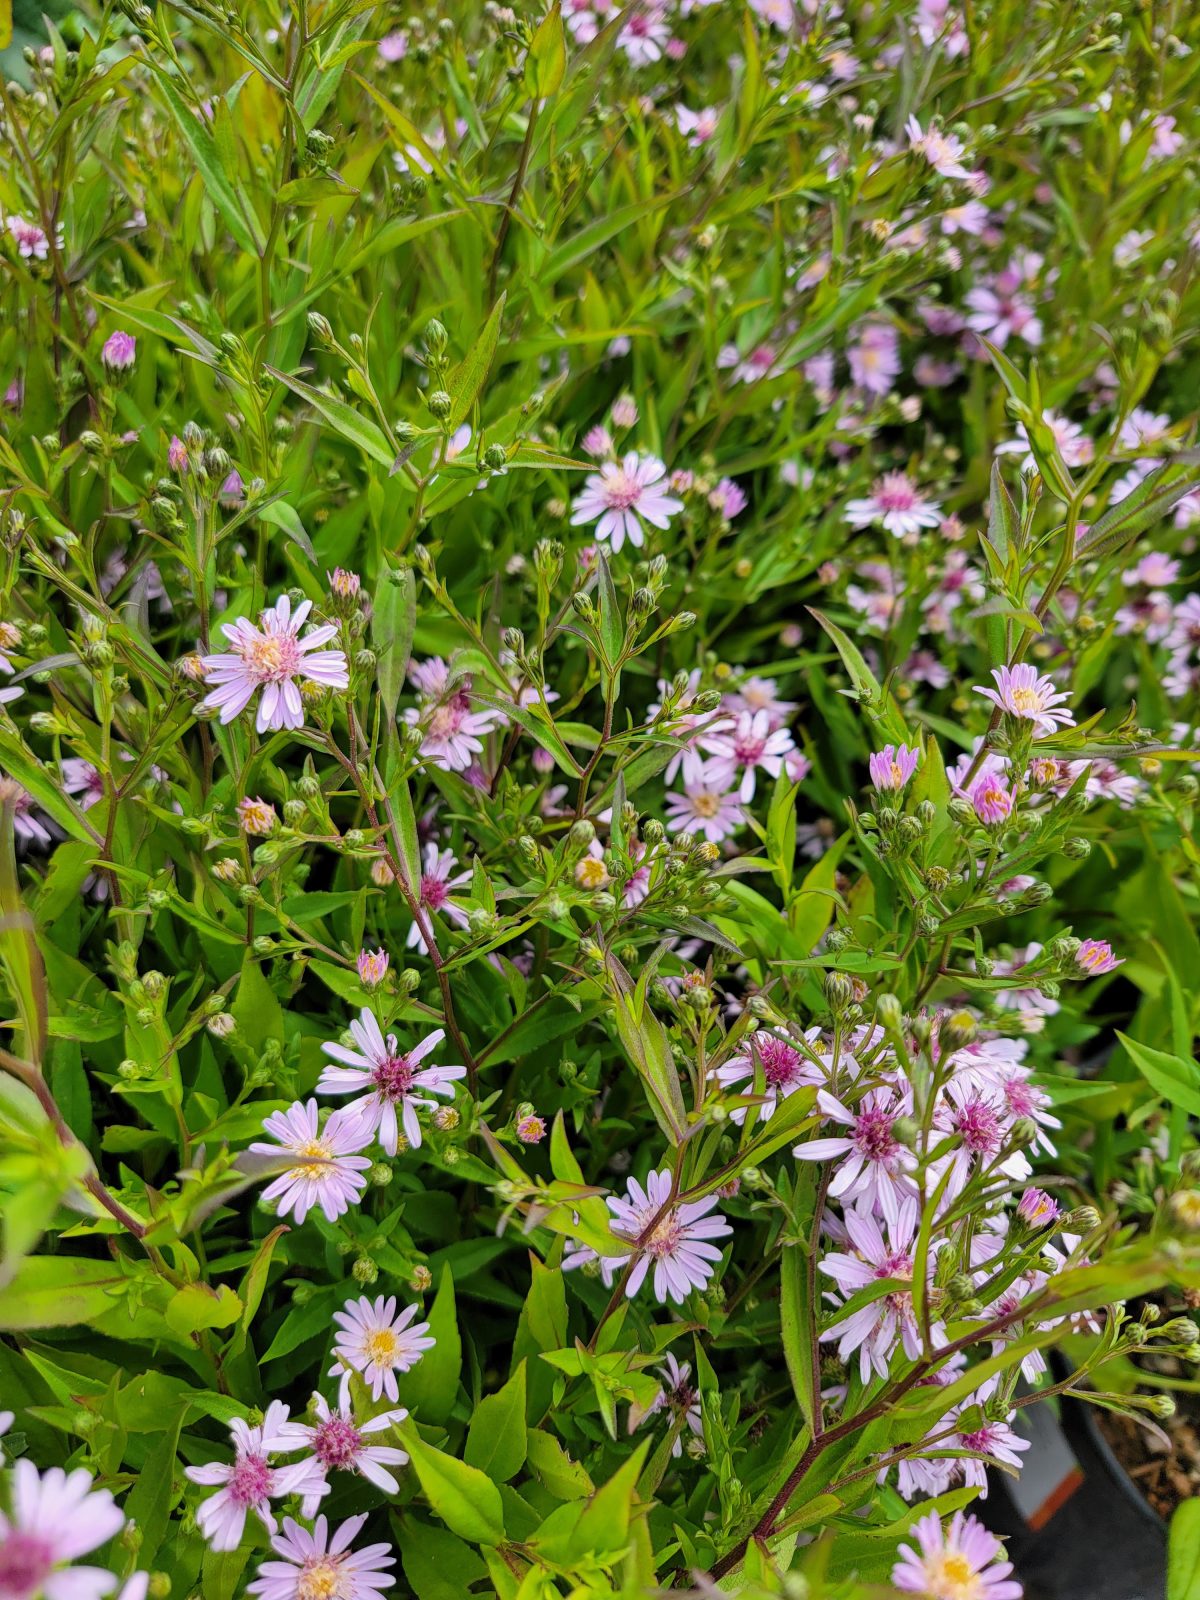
[322,1581]
[381,1347]
[706,805]
[313,1157]
[1027,699]
[951,1577]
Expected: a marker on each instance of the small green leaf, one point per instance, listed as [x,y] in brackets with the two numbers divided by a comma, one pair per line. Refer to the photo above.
[496,1439]
[468,377]
[196,1306]
[546,63]
[343,419]
[465,1499]
[1177,1080]
[393,622]
[431,1388]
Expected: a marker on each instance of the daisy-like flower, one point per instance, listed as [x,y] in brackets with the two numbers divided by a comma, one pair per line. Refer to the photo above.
[267,660]
[1072,443]
[961,1562]
[1003,315]
[336,1442]
[749,368]
[680,1398]
[875,358]
[982,1122]
[784,1069]
[377,1344]
[27,825]
[1037,1209]
[875,1330]
[892,767]
[452,731]
[760,694]
[1021,692]
[896,505]
[697,126]
[81,779]
[716,813]
[372,967]
[312,1566]
[56,1517]
[394,1079]
[31,241]
[1095,956]
[623,495]
[738,753]
[324,1166]
[644,37]
[256,816]
[438,882]
[993,1438]
[943,151]
[680,1248]
[251,1482]
[873,1166]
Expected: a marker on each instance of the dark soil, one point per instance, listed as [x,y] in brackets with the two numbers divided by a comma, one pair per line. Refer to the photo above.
[1167,1471]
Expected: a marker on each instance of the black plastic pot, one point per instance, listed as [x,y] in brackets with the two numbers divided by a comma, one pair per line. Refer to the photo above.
[1092,1535]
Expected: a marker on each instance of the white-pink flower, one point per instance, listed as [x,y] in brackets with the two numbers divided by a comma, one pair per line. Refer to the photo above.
[943,151]
[873,1167]
[738,754]
[395,1082]
[714,812]
[1022,692]
[313,1566]
[56,1517]
[438,882]
[377,1344]
[895,504]
[875,1330]
[250,1482]
[324,1167]
[958,1563]
[784,1070]
[623,495]
[268,660]
[452,730]
[337,1442]
[680,1248]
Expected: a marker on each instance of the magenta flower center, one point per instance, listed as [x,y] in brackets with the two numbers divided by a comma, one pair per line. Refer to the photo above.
[748,748]
[1020,1099]
[873,1137]
[979,1127]
[336,1442]
[272,657]
[761,357]
[620,490]
[446,720]
[393,1077]
[434,892]
[983,1439]
[893,492]
[667,1237]
[251,1480]
[25,1563]
[782,1066]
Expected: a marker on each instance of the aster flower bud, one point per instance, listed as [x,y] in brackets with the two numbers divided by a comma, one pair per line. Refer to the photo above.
[495,457]
[440,404]
[839,991]
[1084,1219]
[889,1011]
[582,833]
[364,1270]
[221,1025]
[1077,848]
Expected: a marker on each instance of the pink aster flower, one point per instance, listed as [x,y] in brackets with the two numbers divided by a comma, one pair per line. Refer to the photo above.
[314,1565]
[27,824]
[874,1168]
[961,1562]
[1021,692]
[336,1442]
[943,151]
[991,800]
[1095,956]
[697,127]
[1037,1209]
[623,495]
[644,37]
[372,967]
[680,1248]
[377,1344]
[393,46]
[119,353]
[784,1070]
[269,658]
[728,498]
[56,1517]
[896,505]
[324,1166]
[391,1078]
[452,730]
[1073,444]
[892,767]
[994,1438]
[757,363]
[32,241]
[875,358]
[438,882]
[714,812]
[877,1329]
[1003,316]
[981,1119]
[760,694]
[680,1399]
[738,753]
[251,1482]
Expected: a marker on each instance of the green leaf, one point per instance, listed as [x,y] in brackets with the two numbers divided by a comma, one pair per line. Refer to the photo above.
[541,1326]
[1177,1080]
[438,1565]
[256,1008]
[1183,1552]
[431,1388]
[878,705]
[1003,528]
[602,1529]
[1144,508]
[496,1439]
[197,1306]
[467,1502]
[239,214]
[468,377]
[59,1291]
[797,1323]
[393,622]
[24,972]
[343,419]
[154,1491]
[546,63]
[554,1469]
